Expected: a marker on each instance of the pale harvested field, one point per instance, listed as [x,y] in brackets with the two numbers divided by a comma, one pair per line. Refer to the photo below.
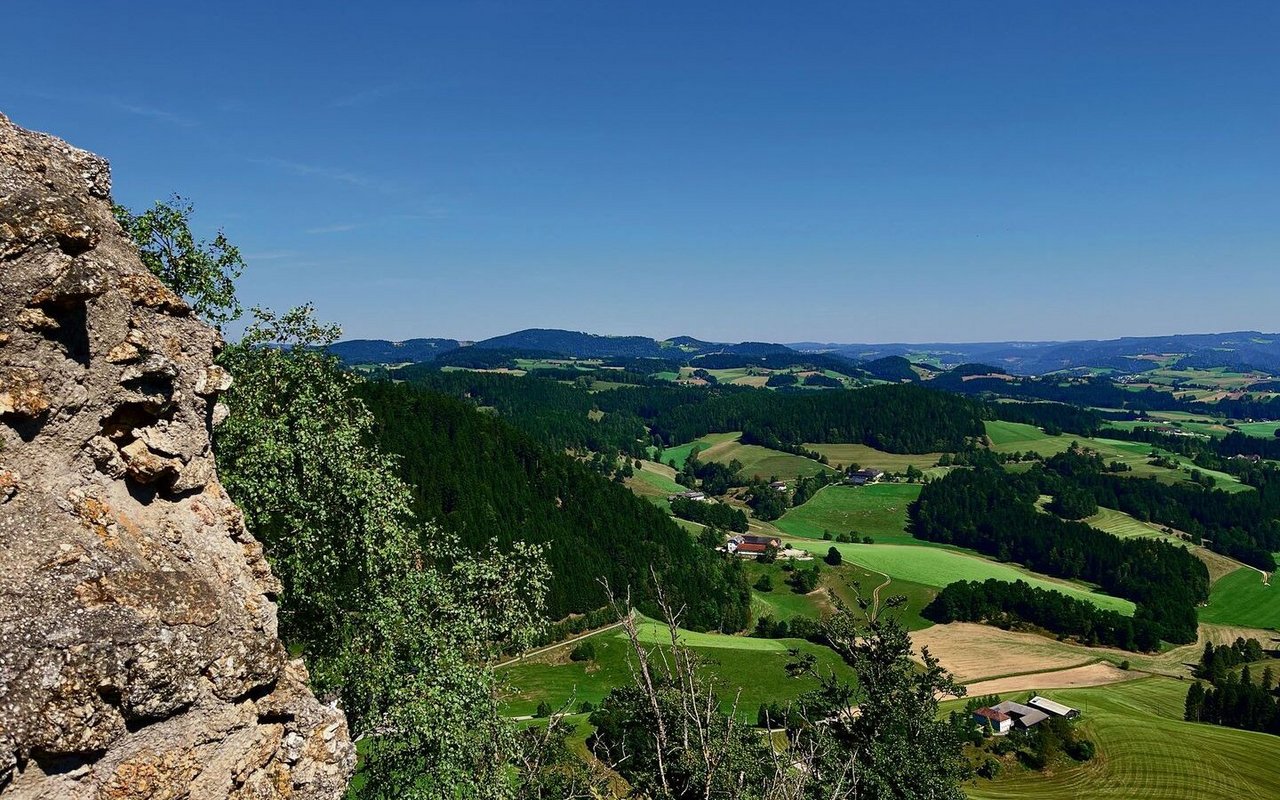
[865,456]
[973,652]
[1088,675]
[980,653]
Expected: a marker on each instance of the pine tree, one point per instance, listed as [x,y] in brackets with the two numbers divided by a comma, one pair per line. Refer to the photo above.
[1195,702]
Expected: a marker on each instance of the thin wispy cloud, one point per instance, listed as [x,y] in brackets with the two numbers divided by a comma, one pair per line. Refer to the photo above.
[114,102]
[319,171]
[363,97]
[158,114]
[339,228]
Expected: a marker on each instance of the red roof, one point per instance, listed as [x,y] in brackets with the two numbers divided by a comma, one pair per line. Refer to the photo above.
[992,714]
[751,547]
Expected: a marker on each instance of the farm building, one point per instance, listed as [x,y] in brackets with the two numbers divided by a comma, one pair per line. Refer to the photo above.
[999,722]
[862,477]
[1050,707]
[1023,716]
[690,495]
[746,544]
[779,485]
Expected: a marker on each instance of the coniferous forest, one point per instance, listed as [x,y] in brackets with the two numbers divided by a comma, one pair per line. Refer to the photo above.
[481,478]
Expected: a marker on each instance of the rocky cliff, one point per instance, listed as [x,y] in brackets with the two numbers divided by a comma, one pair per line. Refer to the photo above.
[138,647]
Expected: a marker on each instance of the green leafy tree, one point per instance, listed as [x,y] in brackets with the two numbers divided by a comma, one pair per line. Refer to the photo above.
[202,272]
[392,615]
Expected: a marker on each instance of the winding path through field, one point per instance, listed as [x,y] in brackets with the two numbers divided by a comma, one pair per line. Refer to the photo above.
[545,648]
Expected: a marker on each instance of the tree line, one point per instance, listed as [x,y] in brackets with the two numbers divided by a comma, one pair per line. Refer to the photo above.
[994,512]
[1017,604]
[1242,525]
[715,514]
[1234,698]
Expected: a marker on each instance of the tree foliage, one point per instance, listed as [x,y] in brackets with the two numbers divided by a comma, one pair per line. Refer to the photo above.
[392,614]
[202,272]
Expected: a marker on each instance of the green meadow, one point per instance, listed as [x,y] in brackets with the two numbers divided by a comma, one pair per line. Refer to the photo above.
[1118,523]
[753,670]
[878,511]
[937,567]
[1011,437]
[1263,430]
[1241,598]
[1145,750]
[757,460]
[680,453]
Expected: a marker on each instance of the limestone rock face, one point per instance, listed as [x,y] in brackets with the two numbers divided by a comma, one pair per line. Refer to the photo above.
[138,648]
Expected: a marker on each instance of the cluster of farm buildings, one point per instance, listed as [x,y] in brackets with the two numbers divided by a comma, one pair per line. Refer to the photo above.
[1004,717]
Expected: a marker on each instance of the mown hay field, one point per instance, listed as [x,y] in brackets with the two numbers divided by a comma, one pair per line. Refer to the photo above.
[1145,750]
[1242,598]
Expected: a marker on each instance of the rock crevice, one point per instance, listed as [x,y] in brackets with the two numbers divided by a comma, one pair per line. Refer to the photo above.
[139,655]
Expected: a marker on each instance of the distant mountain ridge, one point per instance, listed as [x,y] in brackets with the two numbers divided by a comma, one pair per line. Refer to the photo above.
[1237,349]
[544,341]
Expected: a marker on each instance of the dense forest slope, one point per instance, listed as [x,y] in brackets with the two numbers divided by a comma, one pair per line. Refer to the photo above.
[480,477]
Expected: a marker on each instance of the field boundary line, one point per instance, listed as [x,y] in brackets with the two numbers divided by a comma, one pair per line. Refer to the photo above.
[537,651]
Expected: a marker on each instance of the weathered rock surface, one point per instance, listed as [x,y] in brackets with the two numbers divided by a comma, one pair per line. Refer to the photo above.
[138,647]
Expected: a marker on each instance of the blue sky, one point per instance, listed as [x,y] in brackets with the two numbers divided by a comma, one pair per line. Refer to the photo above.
[916,171]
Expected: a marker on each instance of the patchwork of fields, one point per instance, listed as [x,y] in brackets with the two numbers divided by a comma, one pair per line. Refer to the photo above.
[1145,749]
[1016,437]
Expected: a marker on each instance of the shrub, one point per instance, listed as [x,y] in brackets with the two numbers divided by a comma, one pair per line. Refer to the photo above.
[543,709]
[989,769]
[833,557]
[584,651]
[764,584]
[1080,749]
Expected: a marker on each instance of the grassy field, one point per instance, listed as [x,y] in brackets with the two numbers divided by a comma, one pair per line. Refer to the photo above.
[864,456]
[878,511]
[1121,524]
[655,479]
[680,453]
[1263,430]
[754,667]
[1241,598]
[1118,523]
[783,603]
[1010,437]
[1145,750]
[937,567]
[759,461]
